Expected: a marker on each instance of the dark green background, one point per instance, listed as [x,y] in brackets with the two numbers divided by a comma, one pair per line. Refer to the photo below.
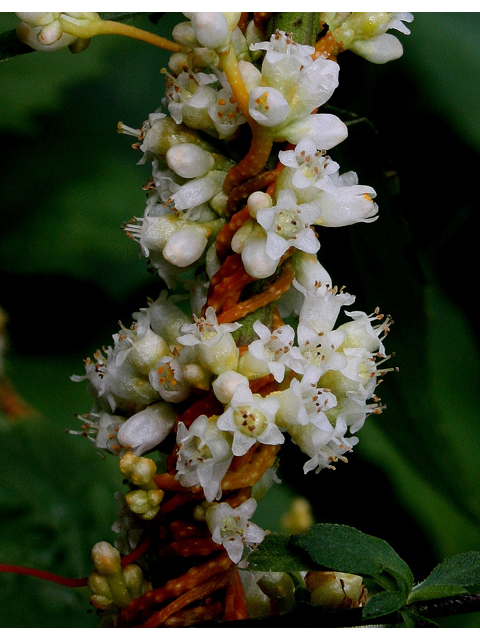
[68,274]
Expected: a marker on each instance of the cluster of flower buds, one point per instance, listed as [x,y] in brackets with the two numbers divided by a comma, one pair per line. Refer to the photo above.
[236,241]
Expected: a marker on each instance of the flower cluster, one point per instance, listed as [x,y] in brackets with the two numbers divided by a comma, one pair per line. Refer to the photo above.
[211,375]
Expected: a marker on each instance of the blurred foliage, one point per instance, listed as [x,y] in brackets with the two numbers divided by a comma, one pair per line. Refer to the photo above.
[68,274]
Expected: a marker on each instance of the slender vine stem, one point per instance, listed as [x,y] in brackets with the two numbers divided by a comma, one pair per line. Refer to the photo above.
[110,27]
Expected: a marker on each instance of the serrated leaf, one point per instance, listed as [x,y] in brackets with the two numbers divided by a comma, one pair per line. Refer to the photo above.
[436,591]
[450,577]
[343,548]
[276,554]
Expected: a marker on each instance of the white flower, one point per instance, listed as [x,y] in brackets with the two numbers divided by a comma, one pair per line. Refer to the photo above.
[267,106]
[255,258]
[251,419]
[282,47]
[347,204]
[165,317]
[310,167]
[198,191]
[203,456]
[188,98]
[288,225]
[167,378]
[325,445]
[147,428]
[232,528]
[276,349]
[102,429]
[113,383]
[225,113]
[319,348]
[322,305]
[213,342]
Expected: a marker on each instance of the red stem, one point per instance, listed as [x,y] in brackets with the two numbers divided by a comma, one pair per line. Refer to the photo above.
[44,575]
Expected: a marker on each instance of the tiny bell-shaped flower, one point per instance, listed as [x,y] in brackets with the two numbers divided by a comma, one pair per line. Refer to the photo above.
[189,160]
[147,428]
[267,106]
[232,527]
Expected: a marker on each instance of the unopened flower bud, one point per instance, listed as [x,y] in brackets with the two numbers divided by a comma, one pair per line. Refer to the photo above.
[101,596]
[335,590]
[184,33]
[147,351]
[278,586]
[226,383]
[147,428]
[197,376]
[140,471]
[241,236]
[258,200]
[185,246]
[255,259]
[134,580]
[211,29]
[106,559]
[145,504]
[189,160]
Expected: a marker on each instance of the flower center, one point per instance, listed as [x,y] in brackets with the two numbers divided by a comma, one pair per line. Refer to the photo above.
[289,223]
[250,422]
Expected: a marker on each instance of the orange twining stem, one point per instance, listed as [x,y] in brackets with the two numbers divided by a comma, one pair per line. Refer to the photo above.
[254,162]
[206,406]
[260,19]
[229,287]
[167,482]
[271,293]
[238,498]
[327,47]
[197,593]
[242,191]
[235,603]
[178,501]
[44,575]
[229,229]
[250,473]
[257,385]
[195,615]
[243,21]
[239,461]
[174,588]
[183,529]
[229,612]
[192,547]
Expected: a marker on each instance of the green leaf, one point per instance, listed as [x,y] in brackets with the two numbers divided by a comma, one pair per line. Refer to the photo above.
[383,603]
[450,577]
[343,548]
[276,554]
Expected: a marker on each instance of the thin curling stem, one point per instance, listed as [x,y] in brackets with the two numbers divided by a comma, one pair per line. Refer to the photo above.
[255,160]
[110,27]
[229,64]
[44,575]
